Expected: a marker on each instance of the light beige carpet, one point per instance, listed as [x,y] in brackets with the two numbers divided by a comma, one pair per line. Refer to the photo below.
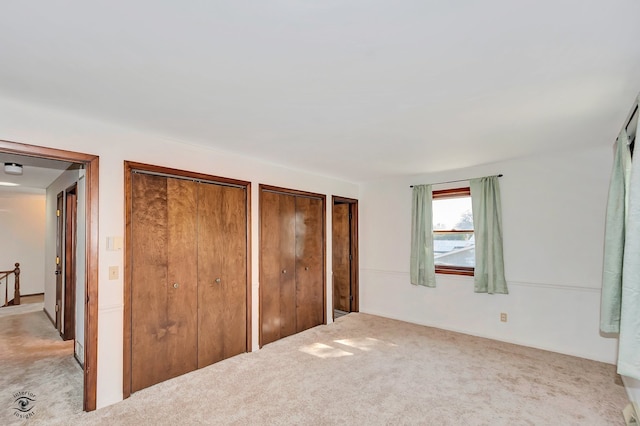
[35,363]
[367,370]
[360,370]
[21,309]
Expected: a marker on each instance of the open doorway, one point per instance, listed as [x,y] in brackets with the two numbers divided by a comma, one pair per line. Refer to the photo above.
[89,164]
[345,256]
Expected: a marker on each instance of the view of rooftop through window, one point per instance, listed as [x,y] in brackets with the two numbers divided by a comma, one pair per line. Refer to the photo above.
[453,248]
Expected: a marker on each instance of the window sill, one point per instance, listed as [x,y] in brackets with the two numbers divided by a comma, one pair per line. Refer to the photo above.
[454,270]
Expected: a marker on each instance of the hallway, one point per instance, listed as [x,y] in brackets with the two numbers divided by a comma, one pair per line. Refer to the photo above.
[38,368]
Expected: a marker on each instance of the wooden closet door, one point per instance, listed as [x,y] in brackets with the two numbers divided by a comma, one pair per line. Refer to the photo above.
[309,263]
[222,272]
[163,281]
[341,238]
[277,266]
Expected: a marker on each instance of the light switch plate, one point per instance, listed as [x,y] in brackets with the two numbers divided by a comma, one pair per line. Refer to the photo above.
[113,272]
[114,243]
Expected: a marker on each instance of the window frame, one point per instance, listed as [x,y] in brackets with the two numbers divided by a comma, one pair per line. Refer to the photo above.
[442,194]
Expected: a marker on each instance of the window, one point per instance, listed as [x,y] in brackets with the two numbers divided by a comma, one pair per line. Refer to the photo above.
[453,238]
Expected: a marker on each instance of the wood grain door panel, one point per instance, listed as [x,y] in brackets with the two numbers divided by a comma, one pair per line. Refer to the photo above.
[341,257]
[59,259]
[70,231]
[210,290]
[182,263]
[163,288]
[222,277]
[234,271]
[277,270]
[309,263]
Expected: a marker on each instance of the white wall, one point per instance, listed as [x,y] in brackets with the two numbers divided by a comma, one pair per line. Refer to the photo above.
[553,223]
[25,123]
[22,239]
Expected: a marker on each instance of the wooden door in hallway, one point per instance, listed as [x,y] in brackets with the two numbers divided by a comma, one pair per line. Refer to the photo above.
[345,254]
[341,258]
[59,254]
[70,244]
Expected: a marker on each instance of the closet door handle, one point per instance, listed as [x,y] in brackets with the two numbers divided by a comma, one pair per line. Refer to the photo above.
[284,271]
[218,280]
[176,285]
[306,268]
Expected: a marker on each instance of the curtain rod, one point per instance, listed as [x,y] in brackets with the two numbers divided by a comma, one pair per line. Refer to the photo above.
[634,110]
[453,181]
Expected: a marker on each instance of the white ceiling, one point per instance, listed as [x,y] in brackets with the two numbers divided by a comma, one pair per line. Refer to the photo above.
[353,89]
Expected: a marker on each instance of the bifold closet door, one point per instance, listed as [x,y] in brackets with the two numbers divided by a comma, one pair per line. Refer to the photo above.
[163,279]
[278,266]
[291,264]
[222,273]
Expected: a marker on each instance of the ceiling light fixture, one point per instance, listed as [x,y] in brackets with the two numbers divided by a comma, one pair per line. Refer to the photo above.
[9,184]
[13,168]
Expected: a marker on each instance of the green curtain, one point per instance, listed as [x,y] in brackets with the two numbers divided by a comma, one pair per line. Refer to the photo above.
[422,269]
[487,224]
[614,236]
[629,300]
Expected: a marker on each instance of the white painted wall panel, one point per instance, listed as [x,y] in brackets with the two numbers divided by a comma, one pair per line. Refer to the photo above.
[22,237]
[554,318]
[553,218]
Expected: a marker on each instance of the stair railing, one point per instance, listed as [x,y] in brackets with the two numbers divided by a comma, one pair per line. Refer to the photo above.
[4,277]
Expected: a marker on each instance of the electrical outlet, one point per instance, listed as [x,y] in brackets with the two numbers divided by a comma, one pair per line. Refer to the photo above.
[503,316]
[113,272]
